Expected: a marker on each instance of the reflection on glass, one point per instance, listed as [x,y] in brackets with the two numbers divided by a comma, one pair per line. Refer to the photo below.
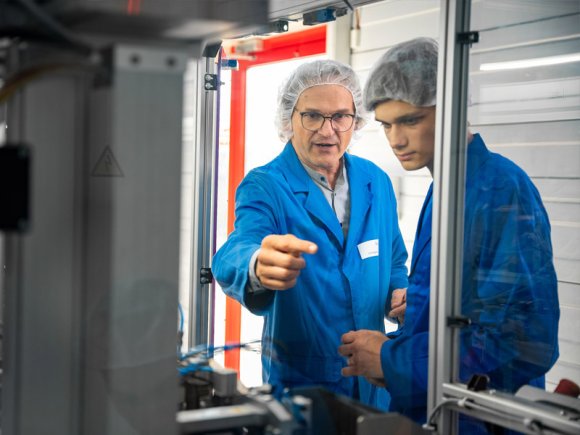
[509,290]
[524,102]
[509,284]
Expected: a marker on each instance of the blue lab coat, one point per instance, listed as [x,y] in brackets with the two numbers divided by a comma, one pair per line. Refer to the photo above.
[338,291]
[509,290]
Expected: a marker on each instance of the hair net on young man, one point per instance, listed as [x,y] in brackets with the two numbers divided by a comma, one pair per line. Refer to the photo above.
[316,73]
[407,72]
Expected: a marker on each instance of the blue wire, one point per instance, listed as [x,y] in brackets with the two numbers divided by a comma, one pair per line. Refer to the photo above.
[181,316]
[192,368]
[206,349]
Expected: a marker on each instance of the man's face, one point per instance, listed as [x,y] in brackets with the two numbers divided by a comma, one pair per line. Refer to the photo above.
[410,131]
[322,149]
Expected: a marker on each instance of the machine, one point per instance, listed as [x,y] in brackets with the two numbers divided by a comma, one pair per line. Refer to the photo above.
[93,136]
[92,110]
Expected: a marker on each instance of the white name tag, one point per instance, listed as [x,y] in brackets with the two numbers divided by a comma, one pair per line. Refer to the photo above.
[369,248]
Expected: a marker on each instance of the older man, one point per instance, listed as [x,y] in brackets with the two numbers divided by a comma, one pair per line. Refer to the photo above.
[340,210]
[509,288]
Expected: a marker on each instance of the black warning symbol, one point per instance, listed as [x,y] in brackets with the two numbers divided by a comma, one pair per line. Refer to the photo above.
[107,165]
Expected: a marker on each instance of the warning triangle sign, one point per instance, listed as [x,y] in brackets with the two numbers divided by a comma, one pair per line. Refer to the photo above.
[107,165]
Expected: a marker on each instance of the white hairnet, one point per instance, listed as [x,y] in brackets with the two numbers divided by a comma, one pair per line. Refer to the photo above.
[406,72]
[316,73]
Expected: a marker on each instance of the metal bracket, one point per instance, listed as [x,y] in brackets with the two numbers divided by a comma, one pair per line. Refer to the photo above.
[212,50]
[210,82]
[478,382]
[205,275]
[322,16]
[458,321]
[468,37]
[278,26]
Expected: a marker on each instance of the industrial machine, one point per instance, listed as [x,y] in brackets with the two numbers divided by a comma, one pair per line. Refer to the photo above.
[213,401]
[91,161]
[92,110]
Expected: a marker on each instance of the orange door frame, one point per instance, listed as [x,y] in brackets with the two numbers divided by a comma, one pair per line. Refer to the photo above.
[278,48]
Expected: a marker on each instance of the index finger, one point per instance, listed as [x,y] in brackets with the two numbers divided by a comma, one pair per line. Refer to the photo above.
[293,245]
[348,337]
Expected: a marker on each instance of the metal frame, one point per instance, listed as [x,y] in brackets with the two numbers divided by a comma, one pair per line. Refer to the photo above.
[448,192]
[91,288]
[446,396]
[201,311]
[526,416]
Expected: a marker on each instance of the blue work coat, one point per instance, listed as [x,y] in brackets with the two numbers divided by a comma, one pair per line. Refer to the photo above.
[341,288]
[509,290]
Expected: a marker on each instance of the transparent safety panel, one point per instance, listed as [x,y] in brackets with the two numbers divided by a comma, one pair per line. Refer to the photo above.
[521,247]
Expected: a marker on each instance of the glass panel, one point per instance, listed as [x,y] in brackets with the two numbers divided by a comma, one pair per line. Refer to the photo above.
[262,145]
[521,285]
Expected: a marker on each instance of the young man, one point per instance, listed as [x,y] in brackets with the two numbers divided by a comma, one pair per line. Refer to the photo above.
[509,287]
[315,199]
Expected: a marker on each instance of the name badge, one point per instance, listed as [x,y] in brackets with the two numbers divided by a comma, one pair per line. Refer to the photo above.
[368,249]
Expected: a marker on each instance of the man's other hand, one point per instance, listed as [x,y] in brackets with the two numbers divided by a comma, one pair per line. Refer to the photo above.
[362,350]
[398,305]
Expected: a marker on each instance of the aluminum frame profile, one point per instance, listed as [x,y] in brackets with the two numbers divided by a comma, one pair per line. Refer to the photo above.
[448,193]
[205,191]
[513,412]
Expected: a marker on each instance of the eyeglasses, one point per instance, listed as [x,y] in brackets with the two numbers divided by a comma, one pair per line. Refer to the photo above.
[314,121]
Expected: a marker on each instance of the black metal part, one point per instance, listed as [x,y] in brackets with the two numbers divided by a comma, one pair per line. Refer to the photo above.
[15,187]
[205,275]
[212,50]
[319,16]
[458,321]
[468,37]
[334,414]
[278,26]
[210,82]
[197,393]
[478,383]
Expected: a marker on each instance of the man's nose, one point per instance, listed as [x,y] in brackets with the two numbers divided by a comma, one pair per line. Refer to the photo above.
[396,137]
[326,129]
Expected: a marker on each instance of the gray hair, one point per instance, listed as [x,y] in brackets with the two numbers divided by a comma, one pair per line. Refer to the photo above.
[316,73]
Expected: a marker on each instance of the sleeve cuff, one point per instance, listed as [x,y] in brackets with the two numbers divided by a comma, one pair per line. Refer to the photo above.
[254,285]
